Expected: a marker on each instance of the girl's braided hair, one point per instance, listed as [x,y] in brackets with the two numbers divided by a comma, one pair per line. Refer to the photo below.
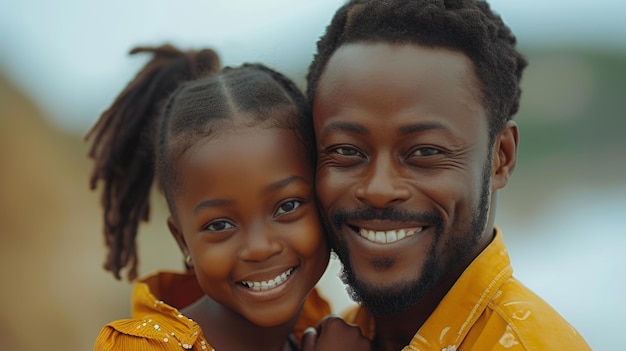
[162,112]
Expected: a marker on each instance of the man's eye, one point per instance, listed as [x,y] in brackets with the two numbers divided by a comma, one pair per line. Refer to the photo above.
[347,151]
[287,207]
[426,151]
[219,226]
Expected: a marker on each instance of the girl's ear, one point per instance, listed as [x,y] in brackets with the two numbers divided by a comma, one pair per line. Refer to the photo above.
[178,235]
[504,155]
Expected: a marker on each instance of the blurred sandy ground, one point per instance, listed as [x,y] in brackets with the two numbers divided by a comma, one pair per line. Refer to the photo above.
[55,295]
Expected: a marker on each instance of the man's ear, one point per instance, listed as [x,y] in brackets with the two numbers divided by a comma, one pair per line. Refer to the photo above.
[504,155]
[178,235]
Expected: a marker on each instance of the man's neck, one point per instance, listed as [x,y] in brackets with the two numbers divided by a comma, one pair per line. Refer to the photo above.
[394,332]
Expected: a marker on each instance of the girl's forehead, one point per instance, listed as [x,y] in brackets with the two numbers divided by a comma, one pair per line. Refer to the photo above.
[262,118]
[240,159]
[238,141]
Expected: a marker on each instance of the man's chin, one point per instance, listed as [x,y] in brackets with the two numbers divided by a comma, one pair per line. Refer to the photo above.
[389,298]
[382,299]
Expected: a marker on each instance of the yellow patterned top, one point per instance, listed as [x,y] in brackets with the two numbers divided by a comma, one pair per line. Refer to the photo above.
[488,309]
[157,324]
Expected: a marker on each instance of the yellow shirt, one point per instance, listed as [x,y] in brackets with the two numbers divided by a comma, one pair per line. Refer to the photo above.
[156,323]
[488,309]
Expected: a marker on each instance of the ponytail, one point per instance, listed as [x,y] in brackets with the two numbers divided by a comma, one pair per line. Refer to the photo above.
[123,147]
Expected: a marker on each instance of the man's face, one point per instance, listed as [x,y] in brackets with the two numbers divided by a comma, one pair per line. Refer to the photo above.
[404,168]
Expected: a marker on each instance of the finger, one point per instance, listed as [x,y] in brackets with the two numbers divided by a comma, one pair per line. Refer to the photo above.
[309,339]
[326,318]
[332,315]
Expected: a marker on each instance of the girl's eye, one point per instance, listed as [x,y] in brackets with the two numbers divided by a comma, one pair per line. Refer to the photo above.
[426,151]
[287,207]
[219,226]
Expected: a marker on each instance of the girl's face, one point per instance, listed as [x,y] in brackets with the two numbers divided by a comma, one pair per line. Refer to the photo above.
[246,213]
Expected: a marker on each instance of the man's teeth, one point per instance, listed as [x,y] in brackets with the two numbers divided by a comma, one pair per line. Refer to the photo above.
[388,236]
[268,284]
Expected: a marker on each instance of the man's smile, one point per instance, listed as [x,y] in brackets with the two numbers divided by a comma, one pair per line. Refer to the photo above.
[385,231]
[388,236]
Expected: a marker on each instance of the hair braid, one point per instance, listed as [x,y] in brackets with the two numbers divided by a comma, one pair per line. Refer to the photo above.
[304,121]
[123,147]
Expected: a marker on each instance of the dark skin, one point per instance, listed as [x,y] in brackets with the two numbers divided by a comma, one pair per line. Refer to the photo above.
[218,323]
[393,331]
[332,333]
[255,242]
[408,132]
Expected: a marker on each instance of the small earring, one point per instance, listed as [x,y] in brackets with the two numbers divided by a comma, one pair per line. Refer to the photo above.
[189,261]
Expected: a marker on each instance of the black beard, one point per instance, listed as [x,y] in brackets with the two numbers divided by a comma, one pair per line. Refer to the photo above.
[385,300]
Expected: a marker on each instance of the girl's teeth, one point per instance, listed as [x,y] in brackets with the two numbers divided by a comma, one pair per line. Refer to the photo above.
[390,236]
[268,284]
[401,234]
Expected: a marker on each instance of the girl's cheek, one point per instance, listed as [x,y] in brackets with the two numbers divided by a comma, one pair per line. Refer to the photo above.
[313,241]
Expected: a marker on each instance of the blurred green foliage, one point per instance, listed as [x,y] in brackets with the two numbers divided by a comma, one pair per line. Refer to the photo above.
[571,117]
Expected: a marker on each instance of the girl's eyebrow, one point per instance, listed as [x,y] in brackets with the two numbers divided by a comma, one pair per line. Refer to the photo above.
[283,183]
[211,203]
[268,189]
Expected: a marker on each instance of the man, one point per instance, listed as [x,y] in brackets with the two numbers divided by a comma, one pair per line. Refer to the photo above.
[412,108]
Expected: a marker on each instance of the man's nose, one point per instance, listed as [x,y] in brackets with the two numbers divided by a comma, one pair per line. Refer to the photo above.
[382,185]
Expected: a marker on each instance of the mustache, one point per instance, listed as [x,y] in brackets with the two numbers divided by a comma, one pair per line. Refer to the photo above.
[341,216]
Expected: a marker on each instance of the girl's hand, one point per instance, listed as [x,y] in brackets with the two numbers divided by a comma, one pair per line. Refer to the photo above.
[333,333]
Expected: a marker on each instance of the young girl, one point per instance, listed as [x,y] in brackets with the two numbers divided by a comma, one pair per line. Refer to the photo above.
[232,152]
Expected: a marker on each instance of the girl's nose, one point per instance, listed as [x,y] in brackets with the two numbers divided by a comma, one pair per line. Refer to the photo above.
[260,244]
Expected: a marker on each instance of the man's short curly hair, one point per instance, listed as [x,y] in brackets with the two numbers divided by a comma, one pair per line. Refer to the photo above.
[468,26]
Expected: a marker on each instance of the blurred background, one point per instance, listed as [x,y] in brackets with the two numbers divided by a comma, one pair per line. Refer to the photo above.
[63,62]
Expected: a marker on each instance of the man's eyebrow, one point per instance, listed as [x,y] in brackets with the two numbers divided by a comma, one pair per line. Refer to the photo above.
[420,127]
[342,126]
[282,184]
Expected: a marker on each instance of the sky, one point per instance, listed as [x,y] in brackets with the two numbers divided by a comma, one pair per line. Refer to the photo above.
[70,56]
